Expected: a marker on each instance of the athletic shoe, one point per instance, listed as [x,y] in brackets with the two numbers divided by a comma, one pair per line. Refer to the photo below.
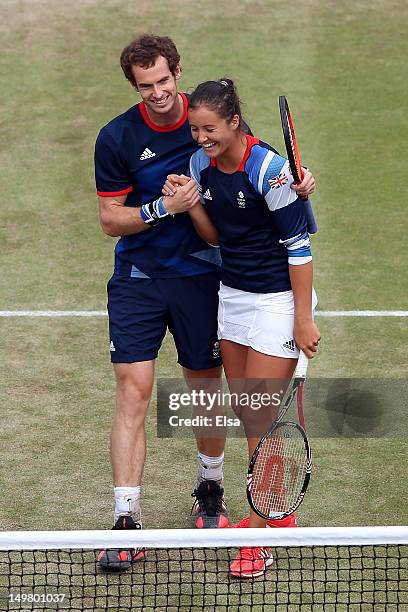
[251,562]
[209,508]
[288,521]
[116,559]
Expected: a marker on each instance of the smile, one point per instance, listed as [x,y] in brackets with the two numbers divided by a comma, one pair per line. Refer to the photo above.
[208,145]
[162,101]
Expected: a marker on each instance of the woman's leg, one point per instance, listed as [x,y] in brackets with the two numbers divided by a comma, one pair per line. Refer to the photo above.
[274,375]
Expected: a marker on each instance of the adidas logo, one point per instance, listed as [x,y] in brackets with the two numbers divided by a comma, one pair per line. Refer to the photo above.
[289,345]
[112,347]
[241,200]
[207,195]
[147,154]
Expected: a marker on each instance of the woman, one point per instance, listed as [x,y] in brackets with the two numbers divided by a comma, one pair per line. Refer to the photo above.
[267,299]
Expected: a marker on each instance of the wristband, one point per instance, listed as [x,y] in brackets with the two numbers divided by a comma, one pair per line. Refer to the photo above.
[154,212]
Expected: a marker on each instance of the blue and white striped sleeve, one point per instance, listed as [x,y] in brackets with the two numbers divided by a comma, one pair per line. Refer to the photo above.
[198,161]
[271,176]
[299,250]
[194,169]
[274,182]
[288,210]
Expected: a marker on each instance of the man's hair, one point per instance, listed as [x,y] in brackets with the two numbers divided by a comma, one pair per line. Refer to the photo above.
[144,51]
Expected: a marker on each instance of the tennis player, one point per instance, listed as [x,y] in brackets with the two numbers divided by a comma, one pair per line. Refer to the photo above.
[266,304]
[165,276]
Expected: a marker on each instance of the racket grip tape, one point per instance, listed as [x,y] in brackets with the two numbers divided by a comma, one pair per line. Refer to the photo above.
[302,366]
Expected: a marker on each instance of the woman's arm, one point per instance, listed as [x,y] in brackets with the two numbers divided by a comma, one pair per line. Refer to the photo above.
[201,221]
[290,218]
[202,224]
[305,330]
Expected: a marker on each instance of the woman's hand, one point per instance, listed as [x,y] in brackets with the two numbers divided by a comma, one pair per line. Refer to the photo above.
[307,186]
[307,337]
[185,197]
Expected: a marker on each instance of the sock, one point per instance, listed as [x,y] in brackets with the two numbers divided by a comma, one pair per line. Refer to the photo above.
[210,468]
[127,501]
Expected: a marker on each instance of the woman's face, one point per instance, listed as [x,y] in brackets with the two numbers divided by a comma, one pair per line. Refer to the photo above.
[212,132]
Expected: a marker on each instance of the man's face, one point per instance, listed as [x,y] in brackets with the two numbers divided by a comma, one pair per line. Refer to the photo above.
[157,86]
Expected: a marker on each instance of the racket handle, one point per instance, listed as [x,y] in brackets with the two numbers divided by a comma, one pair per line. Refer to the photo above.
[302,365]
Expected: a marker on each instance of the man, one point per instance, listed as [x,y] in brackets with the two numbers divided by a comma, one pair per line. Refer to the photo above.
[165,276]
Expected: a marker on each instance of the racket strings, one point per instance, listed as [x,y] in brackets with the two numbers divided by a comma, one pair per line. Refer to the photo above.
[279,471]
[284,407]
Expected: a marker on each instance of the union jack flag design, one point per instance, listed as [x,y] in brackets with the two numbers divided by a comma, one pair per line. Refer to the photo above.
[278,181]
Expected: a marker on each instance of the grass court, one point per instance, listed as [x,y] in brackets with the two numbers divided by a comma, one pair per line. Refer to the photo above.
[341,65]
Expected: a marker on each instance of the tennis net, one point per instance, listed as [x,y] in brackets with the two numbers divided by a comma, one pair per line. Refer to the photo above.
[330,569]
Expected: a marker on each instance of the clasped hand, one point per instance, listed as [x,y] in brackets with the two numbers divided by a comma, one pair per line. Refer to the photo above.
[181,193]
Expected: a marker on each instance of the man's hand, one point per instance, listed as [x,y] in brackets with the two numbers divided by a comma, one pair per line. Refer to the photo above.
[184,196]
[307,186]
[173,182]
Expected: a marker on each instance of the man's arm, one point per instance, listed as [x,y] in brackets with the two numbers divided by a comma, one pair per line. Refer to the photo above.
[116,219]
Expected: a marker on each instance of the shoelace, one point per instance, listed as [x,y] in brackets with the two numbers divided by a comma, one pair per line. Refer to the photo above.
[210,501]
[251,553]
[124,525]
[133,525]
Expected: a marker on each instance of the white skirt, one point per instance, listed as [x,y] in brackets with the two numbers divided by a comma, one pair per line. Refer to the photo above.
[263,321]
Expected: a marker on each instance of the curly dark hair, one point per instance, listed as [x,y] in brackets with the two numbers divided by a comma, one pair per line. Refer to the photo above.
[144,51]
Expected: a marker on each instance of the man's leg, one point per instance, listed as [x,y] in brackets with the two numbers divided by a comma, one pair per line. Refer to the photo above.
[137,326]
[134,383]
[209,509]
[210,381]
[193,322]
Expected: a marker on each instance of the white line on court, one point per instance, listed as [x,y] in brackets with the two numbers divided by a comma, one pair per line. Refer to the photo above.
[103,313]
[53,313]
[361,313]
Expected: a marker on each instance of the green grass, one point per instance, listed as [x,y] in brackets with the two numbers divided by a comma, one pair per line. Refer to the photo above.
[57,412]
[63,82]
[341,65]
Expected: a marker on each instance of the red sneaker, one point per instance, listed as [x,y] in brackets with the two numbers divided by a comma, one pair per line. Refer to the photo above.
[251,562]
[288,521]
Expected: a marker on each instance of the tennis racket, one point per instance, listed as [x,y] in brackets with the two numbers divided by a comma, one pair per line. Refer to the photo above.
[292,151]
[280,467]
[290,140]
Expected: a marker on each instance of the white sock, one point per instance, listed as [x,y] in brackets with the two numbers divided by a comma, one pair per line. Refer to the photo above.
[210,468]
[127,501]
